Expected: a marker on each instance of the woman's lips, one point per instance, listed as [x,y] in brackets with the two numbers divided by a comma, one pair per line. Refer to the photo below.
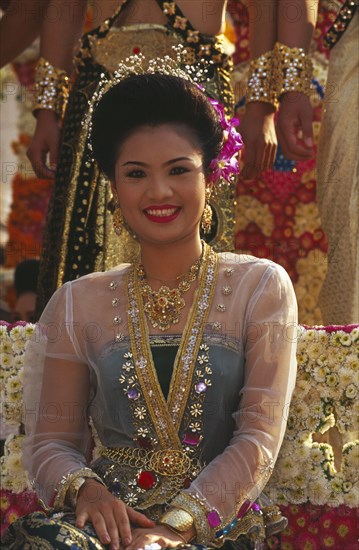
[163,214]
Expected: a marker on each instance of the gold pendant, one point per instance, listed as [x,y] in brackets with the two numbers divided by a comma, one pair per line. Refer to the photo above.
[163,307]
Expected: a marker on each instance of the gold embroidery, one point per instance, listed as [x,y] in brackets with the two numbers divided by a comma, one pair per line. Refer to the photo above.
[167,417]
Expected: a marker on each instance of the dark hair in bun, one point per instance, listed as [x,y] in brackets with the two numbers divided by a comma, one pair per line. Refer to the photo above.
[151,100]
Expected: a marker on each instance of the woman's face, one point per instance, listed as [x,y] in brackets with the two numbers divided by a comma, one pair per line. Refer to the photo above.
[160,183]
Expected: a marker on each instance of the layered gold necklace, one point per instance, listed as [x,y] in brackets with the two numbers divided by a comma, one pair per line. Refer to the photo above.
[163,307]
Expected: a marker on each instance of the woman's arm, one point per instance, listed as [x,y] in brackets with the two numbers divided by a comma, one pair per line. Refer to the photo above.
[19,26]
[235,478]
[62,27]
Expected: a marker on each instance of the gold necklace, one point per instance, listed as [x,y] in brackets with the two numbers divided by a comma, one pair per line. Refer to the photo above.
[163,307]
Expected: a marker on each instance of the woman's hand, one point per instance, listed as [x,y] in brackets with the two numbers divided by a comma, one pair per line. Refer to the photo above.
[258,131]
[294,126]
[159,534]
[110,517]
[46,140]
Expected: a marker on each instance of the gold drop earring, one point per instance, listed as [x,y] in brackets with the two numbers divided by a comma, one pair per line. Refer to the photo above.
[117,218]
[206,221]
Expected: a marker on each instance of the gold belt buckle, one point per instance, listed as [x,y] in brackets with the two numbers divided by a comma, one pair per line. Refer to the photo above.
[169,462]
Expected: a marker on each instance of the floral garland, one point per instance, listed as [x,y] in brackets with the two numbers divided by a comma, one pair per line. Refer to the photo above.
[324,397]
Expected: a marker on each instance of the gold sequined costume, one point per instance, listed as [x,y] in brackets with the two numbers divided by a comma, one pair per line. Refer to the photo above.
[338,179]
[79,237]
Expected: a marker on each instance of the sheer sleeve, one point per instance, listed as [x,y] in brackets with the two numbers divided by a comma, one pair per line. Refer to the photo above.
[228,485]
[56,393]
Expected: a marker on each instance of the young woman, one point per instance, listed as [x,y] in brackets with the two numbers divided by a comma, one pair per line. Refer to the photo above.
[184,360]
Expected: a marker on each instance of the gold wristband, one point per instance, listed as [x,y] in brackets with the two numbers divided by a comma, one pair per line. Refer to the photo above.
[260,80]
[177,519]
[293,70]
[51,88]
[69,486]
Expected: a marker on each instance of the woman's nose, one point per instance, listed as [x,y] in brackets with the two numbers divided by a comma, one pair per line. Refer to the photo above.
[159,188]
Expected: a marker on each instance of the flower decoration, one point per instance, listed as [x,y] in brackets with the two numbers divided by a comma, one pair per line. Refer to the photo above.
[226,163]
[324,397]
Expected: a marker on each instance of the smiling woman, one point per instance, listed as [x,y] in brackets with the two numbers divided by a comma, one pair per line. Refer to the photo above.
[183,360]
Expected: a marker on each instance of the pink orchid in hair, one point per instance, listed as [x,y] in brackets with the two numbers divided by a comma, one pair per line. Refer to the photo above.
[226,163]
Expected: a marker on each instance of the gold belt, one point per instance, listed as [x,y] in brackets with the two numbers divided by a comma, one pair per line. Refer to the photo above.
[166,462]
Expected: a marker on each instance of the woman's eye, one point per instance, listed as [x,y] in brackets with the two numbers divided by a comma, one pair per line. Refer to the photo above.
[178,170]
[136,174]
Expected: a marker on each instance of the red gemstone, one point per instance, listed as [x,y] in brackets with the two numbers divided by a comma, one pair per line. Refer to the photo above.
[186,483]
[146,480]
[244,508]
[136,50]
[144,442]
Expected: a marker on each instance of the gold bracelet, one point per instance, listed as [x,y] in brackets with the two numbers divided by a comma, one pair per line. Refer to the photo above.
[177,519]
[51,88]
[260,80]
[293,70]
[68,486]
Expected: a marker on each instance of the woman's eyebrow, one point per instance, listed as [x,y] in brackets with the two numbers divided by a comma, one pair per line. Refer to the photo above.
[138,163]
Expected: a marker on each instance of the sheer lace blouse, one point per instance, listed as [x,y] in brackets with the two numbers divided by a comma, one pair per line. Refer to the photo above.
[74,363]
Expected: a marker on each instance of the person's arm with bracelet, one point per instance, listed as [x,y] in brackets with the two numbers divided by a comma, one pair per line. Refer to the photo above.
[57,392]
[257,124]
[52,80]
[296,23]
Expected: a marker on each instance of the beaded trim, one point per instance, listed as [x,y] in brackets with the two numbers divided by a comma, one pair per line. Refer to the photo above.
[340,25]
[51,87]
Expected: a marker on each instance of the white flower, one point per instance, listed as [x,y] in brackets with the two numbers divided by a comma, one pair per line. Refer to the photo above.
[302,359]
[354,335]
[352,362]
[3,331]
[6,360]
[316,455]
[13,444]
[14,398]
[345,339]
[29,330]
[332,380]
[297,496]
[13,385]
[19,346]
[310,335]
[17,332]
[319,491]
[287,467]
[314,350]
[320,373]
[351,499]
[346,376]
[322,360]
[351,391]
[5,346]
[301,410]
